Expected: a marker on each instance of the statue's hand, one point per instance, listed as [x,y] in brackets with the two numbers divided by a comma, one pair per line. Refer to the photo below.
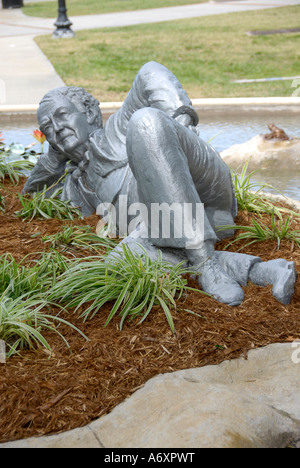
[77,170]
[184,119]
[186,115]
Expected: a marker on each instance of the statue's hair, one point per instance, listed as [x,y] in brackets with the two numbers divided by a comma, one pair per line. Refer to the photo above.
[79,97]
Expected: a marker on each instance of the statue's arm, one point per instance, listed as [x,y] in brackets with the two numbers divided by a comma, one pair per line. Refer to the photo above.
[48,170]
[154,86]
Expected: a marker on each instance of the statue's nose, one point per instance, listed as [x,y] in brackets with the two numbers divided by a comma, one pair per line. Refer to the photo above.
[57,125]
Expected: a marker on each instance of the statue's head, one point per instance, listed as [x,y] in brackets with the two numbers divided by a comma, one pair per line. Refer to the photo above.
[67,116]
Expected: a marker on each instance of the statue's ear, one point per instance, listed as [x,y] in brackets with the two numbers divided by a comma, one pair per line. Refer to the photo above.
[91,115]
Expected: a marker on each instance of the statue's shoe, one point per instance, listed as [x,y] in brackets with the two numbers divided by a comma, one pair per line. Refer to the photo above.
[279,273]
[284,287]
[215,282]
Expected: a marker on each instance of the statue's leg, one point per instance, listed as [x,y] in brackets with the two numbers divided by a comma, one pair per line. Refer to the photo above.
[161,153]
[279,273]
[213,181]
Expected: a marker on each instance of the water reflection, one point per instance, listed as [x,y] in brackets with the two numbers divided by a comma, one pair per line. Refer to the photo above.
[228,130]
[286,182]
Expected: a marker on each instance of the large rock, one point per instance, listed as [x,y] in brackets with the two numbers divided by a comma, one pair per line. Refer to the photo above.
[253,403]
[263,154]
[240,403]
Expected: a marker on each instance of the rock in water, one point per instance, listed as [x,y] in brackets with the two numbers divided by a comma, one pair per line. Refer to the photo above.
[265,153]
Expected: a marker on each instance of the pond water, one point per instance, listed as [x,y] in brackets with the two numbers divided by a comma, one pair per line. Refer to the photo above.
[223,131]
[226,131]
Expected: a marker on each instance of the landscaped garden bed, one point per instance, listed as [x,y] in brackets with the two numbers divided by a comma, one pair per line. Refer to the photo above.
[47,391]
[65,368]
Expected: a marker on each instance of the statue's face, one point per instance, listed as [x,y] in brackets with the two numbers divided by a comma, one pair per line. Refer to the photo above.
[65,127]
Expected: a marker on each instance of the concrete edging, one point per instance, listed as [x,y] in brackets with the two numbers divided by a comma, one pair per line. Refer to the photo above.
[248,103]
[292,204]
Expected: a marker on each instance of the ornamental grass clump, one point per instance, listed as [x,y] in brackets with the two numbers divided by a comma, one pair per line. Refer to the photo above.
[134,284]
[252,198]
[276,228]
[22,322]
[39,205]
[22,279]
[259,232]
[15,279]
[24,304]
[14,169]
[79,237]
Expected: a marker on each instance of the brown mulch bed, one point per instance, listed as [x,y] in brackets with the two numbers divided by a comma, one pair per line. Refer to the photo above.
[45,394]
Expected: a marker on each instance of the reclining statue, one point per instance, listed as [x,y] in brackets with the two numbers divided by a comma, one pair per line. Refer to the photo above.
[150,153]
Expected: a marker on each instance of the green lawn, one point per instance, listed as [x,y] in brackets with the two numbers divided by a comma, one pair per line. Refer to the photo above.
[206,54]
[88,7]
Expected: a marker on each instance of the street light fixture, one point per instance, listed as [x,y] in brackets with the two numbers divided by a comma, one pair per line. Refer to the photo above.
[63,24]
[12,3]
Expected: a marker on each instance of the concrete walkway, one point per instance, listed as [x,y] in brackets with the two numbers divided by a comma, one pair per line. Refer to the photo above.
[26,74]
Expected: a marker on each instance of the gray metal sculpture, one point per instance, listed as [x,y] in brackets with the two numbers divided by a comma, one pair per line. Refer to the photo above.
[149,154]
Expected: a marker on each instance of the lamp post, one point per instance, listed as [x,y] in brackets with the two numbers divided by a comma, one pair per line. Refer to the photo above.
[63,24]
[12,3]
